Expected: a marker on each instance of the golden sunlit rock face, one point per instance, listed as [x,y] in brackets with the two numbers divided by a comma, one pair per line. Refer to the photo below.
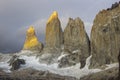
[53,16]
[53,31]
[31,41]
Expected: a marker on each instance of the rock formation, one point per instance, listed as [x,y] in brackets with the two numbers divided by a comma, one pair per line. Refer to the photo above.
[105,37]
[75,36]
[53,38]
[76,39]
[31,42]
[119,64]
[115,5]
[110,74]
[32,74]
[15,62]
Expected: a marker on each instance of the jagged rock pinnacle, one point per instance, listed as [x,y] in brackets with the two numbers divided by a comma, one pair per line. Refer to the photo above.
[31,41]
[53,31]
[76,39]
[53,16]
[53,40]
[31,30]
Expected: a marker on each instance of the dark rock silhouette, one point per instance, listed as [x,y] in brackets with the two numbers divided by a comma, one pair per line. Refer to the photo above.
[15,62]
[32,74]
[115,5]
[110,74]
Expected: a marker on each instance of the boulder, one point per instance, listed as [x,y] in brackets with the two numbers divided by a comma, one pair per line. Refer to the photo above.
[105,38]
[69,59]
[31,42]
[76,39]
[15,62]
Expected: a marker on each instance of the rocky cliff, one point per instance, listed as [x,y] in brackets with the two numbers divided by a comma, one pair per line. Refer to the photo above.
[53,38]
[31,42]
[105,37]
[76,42]
[75,36]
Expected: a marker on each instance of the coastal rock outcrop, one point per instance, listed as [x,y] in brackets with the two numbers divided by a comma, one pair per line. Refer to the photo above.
[105,37]
[31,42]
[76,42]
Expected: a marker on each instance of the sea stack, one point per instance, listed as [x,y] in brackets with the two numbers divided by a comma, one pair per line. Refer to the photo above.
[105,37]
[31,42]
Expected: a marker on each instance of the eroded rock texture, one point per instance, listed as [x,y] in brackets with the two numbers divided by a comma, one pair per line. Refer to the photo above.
[76,42]
[105,37]
[110,74]
[54,32]
[119,65]
[32,74]
[53,40]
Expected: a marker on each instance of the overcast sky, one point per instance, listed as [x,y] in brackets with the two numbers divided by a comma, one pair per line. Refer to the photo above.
[17,15]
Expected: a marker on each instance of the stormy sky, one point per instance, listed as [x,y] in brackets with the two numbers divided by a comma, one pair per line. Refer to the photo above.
[17,15]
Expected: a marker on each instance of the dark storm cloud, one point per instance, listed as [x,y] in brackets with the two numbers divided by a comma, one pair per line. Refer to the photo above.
[17,15]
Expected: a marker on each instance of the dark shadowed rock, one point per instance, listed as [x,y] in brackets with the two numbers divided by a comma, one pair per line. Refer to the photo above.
[115,5]
[15,62]
[31,74]
[76,39]
[105,38]
[110,74]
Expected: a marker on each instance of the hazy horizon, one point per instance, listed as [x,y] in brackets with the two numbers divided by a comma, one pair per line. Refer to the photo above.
[17,15]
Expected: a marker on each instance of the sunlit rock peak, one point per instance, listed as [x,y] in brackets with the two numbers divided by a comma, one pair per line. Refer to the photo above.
[31,30]
[31,39]
[53,16]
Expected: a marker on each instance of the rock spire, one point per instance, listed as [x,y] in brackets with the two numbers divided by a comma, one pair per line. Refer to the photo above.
[31,42]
